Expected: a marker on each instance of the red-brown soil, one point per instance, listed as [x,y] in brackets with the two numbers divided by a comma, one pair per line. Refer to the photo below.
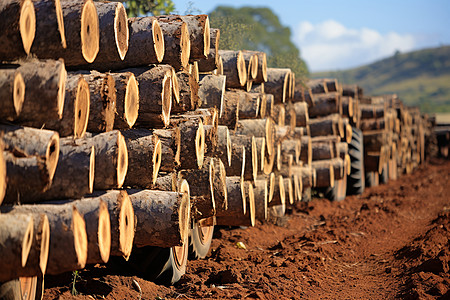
[391,242]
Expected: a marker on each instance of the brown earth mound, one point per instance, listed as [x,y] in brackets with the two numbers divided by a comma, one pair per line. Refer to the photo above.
[391,242]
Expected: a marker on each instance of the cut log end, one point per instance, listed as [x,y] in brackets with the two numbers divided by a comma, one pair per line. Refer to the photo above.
[156,160]
[200,144]
[126,224]
[212,172]
[104,231]
[253,67]
[131,105]
[271,186]
[158,40]
[223,178]
[121,30]
[348,133]
[27,25]
[185,45]
[82,104]
[90,32]
[241,69]
[243,194]
[27,241]
[18,93]
[166,99]
[3,180]
[264,67]
[61,90]
[175,86]
[251,205]
[52,155]
[92,170]
[60,21]
[45,242]
[206,38]
[177,137]
[80,237]
[254,158]
[122,160]
[229,147]
[184,212]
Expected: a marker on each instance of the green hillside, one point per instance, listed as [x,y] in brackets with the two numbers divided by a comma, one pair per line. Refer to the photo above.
[420,78]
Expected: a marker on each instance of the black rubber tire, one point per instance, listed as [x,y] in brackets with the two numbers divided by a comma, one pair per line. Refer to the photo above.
[156,264]
[200,239]
[12,290]
[383,178]
[337,192]
[356,179]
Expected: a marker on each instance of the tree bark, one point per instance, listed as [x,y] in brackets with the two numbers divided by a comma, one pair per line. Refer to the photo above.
[347,106]
[220,186]
[177,47]
[331,125]
[144,157]
[162,218]
[277,83]
[317,86]
[322,150]
[199,32]
[261,75]
[259,128]
[249,105]
[122,220]
[306,152]
[102,109]
[218,143]
[279,194]
[155,91]
[234,68]
[236,168]
[68,238]
[170,148]
[325,104]
[189,89]
[289,188]
[127,100]
[26,141]
[251,62]
[250,169]
[239,194]
[211,92]
[369,111]
[46,79]
[76,109]
[18,23]
[211,62]
[373,124]
[324,173]
[374,140]
[230,113]
[192,149]
[111,158]
[261,198]
[338,164]
[291,147]
[12,94]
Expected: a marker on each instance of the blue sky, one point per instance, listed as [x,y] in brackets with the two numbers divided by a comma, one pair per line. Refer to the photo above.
[337,34]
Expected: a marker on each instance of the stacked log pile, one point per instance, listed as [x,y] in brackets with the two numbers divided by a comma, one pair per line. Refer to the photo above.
[144,130]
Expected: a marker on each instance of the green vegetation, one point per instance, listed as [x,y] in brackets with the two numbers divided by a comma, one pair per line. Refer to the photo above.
[148,7]
[258,28]
[420,78]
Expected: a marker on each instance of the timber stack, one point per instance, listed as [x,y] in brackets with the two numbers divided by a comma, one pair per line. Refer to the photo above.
[126,140]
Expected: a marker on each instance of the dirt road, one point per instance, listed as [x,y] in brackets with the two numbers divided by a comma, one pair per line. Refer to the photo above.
[391,242]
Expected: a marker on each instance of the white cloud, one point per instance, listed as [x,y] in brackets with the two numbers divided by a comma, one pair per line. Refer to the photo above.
[330,45]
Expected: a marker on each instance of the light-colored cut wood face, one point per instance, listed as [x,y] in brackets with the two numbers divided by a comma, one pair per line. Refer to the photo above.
[90,36]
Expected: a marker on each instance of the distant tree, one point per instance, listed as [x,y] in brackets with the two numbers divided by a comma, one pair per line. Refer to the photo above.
[257,28]
[148,7]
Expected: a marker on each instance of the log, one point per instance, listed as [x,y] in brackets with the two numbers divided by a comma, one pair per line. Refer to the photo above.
[298,187]
[373,124]
[325,104]
[263,105]
[324,173]
[18,21]
[189,91]
[279,194]
[234,68]
[249,104]
[155,95]
[270,103]
[330,125]
[16,239]
[259,128]
[219,70]
[292,86]
[145,46]
[127,100]
[209,116]
[291,117]
[250,160]
[251,62]
[257,87]
[353,91]
[269,160]
[261,75]
[290,190]
[339,168]
[192,149]
[218,143]
[111,158]
[211,92]
[170,148]
[162,218]
[26,141]
[322,150]
[177,47]
[210,140]
[144,157]
[369,111]
[374,140]
[307,175]
[211,62]
[317,86]
[76,109]
[239,194]
[198,26]
[332,85]
[230,111]
[81,28]
[12,94]
[122,220]
[166,182]
[342,149]
[277,83]
[306,150]
[114,37]
[74,175]
[278,113]
[102,108]
[261,198]
[291,147]
[3,178]
[220,186]
[68,238]
[46,79]
[282,133]
[237,165]
[347,106]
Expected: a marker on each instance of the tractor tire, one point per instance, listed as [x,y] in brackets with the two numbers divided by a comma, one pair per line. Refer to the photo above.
[356,179]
